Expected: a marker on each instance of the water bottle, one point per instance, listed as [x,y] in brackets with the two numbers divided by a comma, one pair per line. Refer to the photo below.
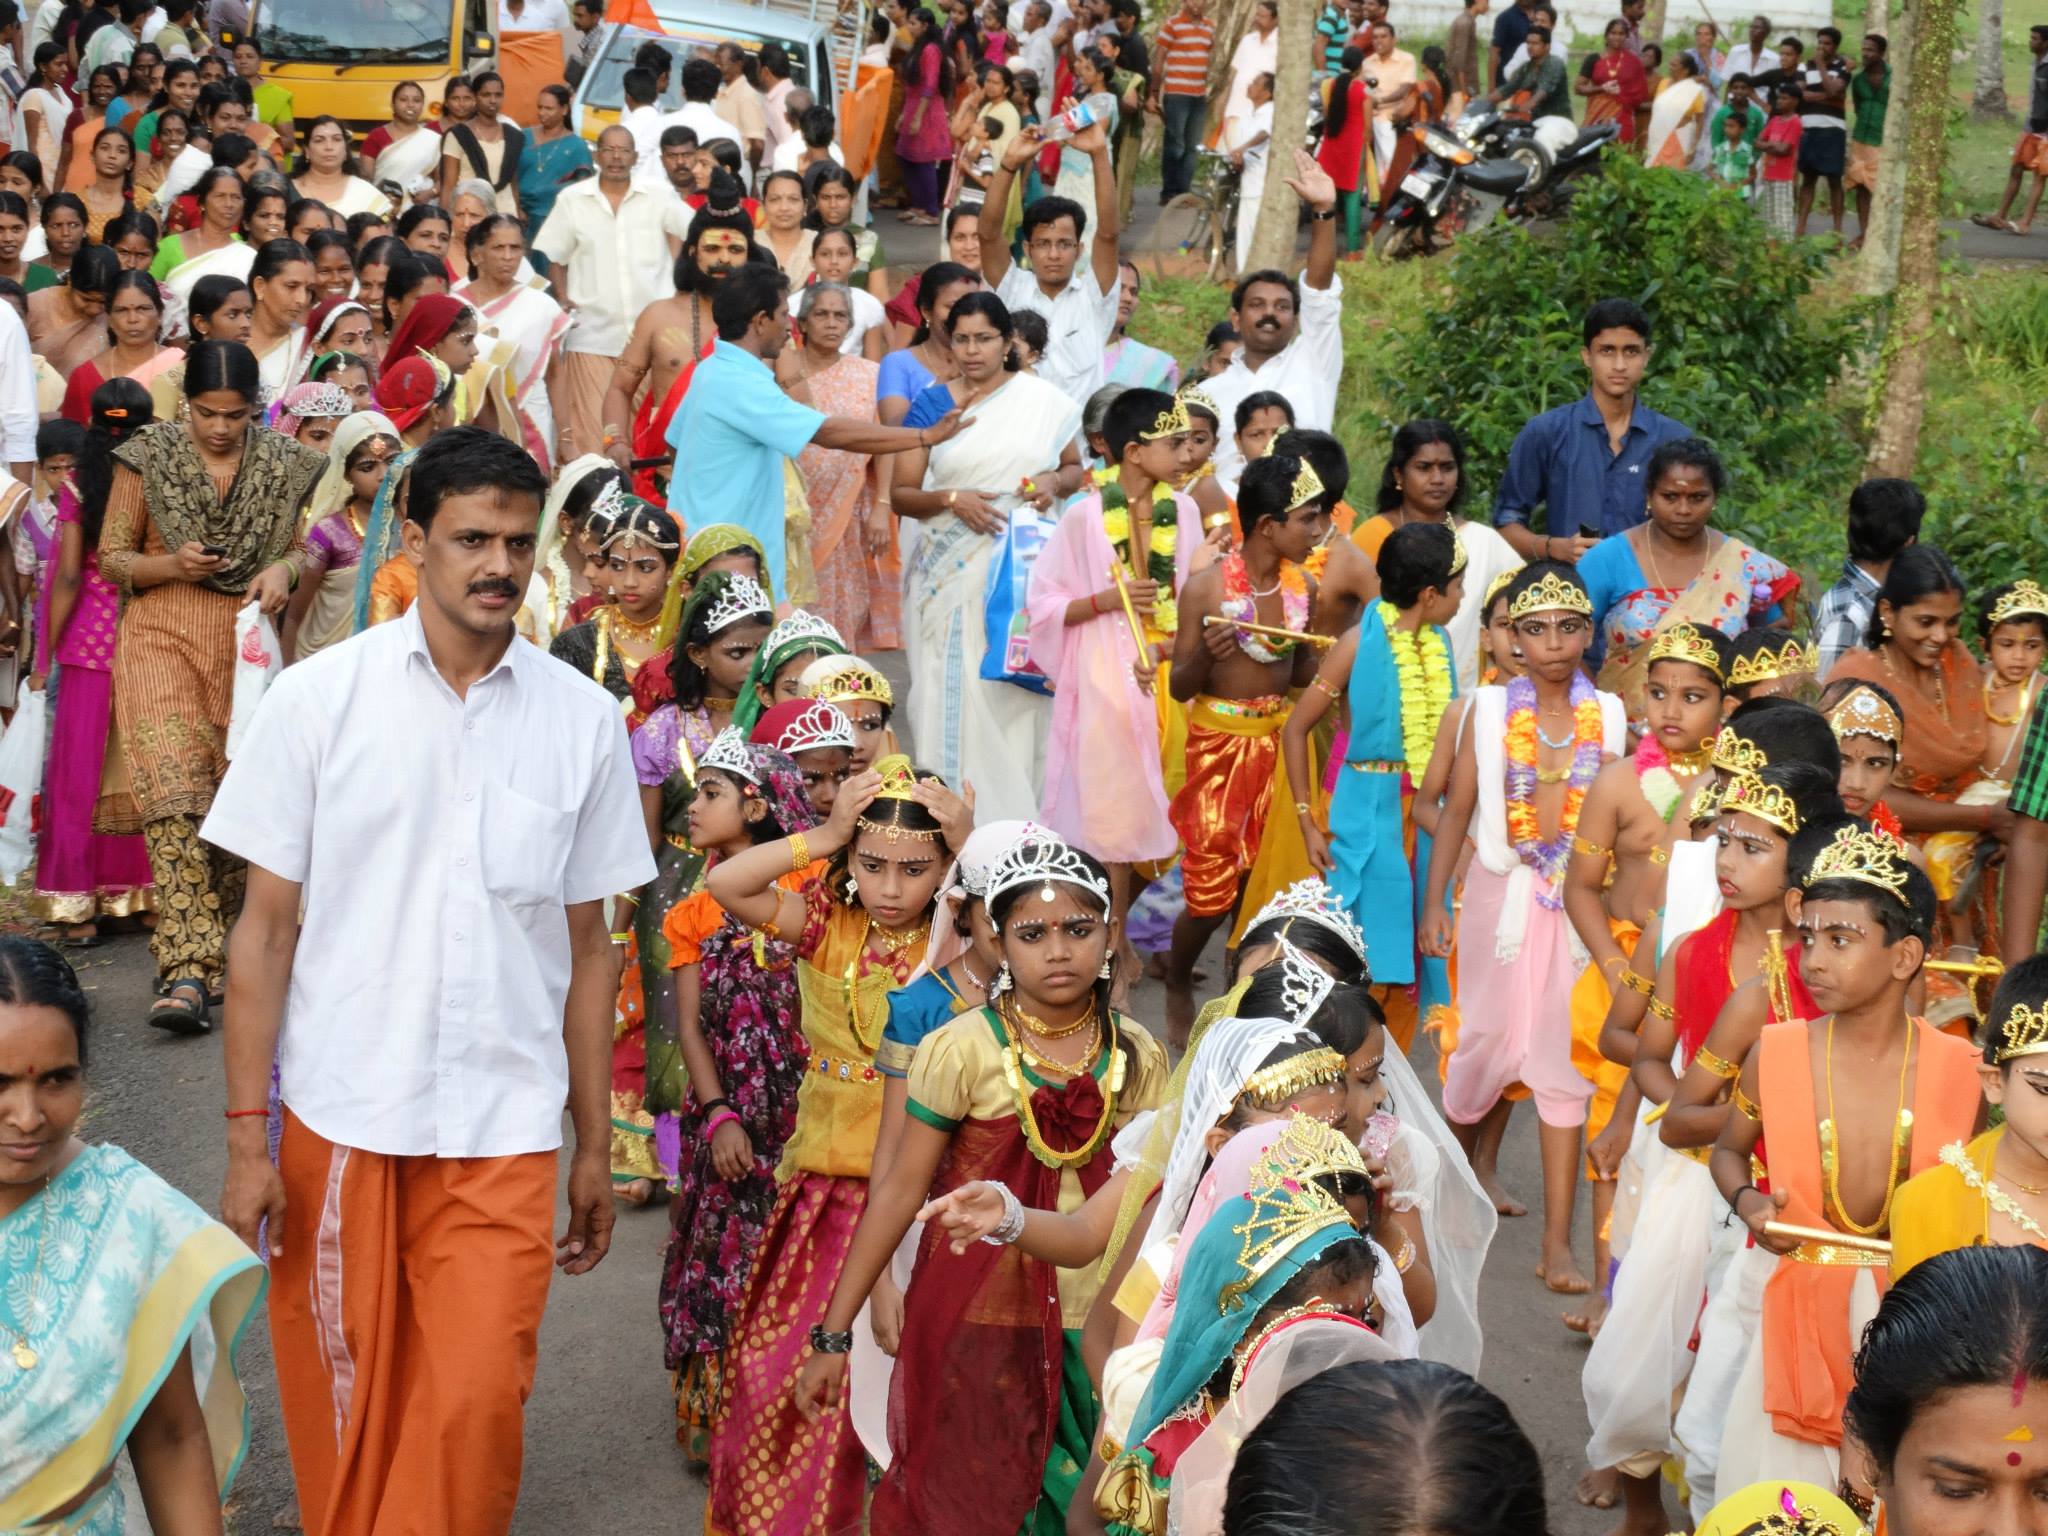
[1064,125]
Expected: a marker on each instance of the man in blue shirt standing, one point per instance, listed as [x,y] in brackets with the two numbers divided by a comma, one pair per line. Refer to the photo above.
[1584,462]
[736,426]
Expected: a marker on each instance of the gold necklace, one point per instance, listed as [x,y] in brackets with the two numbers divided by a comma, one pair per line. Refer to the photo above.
[1830,1160]
[1081,1067]
[895,944]
[1689,762]
[24,1356]
[719,706]
[1884,653]
[1013,1075]
[1995,1199]
[2026,699]
[634,629]
[1045,1031]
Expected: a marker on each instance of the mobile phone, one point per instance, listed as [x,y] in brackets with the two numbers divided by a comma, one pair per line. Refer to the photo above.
[213,551]
[1589,530]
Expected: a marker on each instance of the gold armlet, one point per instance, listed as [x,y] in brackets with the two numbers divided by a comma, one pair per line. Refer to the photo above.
[1636,981]
[1405,1259]
[1659,1009]
[1327,689]
[1660,855]
[1586,845]
[1720,1066]
[1743,1104]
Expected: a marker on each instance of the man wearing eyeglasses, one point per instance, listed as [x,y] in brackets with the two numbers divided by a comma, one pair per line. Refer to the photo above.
[1078,299]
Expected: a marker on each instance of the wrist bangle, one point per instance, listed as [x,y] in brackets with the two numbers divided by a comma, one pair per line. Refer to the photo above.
[1735,1200]
[831,1343]
[799,853]
[711,1126]
[1011,1227]
[709,1105]
[1303,808]
[244,1114]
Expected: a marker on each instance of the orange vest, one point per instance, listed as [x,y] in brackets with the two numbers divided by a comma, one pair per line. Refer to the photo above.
[1807,1347]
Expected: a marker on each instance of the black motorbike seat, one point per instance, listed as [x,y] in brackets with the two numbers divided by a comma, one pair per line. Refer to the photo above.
[1597,134]
[1497,176]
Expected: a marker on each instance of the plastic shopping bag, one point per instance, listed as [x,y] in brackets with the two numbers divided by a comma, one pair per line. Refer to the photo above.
[258,658]
[21,783]
[1007,658]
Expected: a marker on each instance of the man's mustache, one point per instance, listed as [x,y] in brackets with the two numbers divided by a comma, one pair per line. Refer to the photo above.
[494,587]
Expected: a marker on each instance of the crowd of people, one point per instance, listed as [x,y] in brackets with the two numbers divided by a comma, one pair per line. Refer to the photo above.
[586,488]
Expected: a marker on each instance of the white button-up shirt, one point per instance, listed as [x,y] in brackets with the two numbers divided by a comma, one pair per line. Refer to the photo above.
[18,419]
[619,262]
[1307,371]
[1078,320]
[437,841]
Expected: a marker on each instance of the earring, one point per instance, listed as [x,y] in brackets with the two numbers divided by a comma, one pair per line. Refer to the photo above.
[1108,966]
[1002,982]
[852,889]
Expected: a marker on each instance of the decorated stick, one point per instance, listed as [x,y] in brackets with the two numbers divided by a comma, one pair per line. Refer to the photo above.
[1829,1236]
[1268,629]
[1988,965]
[1123,591]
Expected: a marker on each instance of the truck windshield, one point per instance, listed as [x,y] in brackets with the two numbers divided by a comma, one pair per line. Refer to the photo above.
[354,31]
[605,88]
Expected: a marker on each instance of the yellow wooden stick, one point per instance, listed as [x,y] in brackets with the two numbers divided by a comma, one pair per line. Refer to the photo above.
[1988,965]
[1267,629]
[1829,1236]
[1123,591]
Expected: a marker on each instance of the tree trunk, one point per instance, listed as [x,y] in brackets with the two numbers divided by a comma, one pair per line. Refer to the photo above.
[1988,97]
[1273,236]
[1653,22]
[1880,270]
[1902,361]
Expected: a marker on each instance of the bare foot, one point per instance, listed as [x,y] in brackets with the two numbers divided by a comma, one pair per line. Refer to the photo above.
[1561,1274]
[1503,1202]
[1599,1488]
[1180,1016]
[1590,1315]
[1643,1512]
[287,1519]
[634,1192]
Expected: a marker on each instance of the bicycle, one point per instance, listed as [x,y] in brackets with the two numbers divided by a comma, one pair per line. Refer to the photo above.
[1201,226]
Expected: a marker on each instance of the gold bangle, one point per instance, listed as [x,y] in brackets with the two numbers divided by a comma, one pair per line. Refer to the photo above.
[799,853]
[1405,1259]
[1659,1009]
[1303,808]
[1743,1104]
[1636,981]
[1719,1066]
[1585,845]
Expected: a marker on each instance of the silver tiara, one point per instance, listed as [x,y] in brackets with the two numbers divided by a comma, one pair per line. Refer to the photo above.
[611,501]
[325,401]
[822,725]
[728,754]
[800,626]
[741,599]
[1304,985]
[1316,902]
[1041,856]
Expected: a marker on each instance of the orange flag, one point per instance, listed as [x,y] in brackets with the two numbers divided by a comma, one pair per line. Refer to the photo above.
[632,13]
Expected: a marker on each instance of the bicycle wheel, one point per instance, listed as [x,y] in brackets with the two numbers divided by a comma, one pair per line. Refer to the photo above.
[1186,240]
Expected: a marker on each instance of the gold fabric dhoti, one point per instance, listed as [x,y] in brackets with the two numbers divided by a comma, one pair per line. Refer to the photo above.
[1591,996]
[1233,761]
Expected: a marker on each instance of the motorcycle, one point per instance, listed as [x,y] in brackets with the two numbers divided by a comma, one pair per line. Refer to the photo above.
[1452,187]
[1552,163]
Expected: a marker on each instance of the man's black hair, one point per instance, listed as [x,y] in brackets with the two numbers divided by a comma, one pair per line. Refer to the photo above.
[459,460]
[1326,456]
[1832,34]
[1414,557]
[1538,32]
[817,127]
[700,80]
[1272,275]
[1793,43]
[1884,44]
[639,87]
[1739,78]
[1046,210]
[678,136]
[774,61]
[1616,315]
[653,57]
[1884,517]
[1261,400]
[1129,414]
[1267,489]
[755,289]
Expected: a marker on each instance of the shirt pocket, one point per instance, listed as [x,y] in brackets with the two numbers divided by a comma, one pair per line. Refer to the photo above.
[524,847]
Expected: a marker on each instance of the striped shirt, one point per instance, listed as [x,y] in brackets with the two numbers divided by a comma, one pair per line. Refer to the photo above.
[1185,43]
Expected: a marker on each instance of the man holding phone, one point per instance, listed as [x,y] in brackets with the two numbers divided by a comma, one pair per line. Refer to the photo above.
[1583,462]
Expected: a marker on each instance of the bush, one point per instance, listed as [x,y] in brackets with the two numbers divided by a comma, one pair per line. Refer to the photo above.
[1739,354]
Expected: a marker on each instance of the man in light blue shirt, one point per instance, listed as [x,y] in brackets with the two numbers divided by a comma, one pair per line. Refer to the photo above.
[735,426]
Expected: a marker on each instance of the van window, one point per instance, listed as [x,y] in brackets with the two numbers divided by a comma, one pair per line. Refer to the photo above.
[378,31]
[601,87]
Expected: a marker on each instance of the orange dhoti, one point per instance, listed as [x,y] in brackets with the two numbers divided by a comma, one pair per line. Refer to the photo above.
[405,1317]
[1220,813]
[1591,996]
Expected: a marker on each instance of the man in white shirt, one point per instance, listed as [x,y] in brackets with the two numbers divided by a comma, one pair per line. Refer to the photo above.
[641,118]
[1293,339]
[17,397]
[1249,139]
[700,86]
[1059,13]
[533,16]
[801,107]
[449,808]
[1078,298]
[1753,56]
[607,231]
[1035,51]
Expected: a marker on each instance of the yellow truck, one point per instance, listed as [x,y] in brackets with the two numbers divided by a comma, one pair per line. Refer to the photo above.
[345,56]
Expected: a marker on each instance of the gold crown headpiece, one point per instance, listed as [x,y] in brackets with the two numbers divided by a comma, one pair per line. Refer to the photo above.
[898,783]
[847,680]
[1308,486]
[1706,805]
[1769,662]
[1307,1148]
[2026,597]
[1766,802]
[1497,586]
[1737,754]
[1869,858]
[1685,642]
[1861,712]
[1457,554]
[1282,1214]
[1552,592]
[1791,1518]
[1271,1087]
[2025,1033]
[1195,397]
[1169,422]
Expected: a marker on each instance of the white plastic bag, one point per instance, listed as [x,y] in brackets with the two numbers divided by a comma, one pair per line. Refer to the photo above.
[258,658]
[21,781]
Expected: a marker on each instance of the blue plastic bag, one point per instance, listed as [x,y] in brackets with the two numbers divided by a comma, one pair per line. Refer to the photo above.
[1007,656]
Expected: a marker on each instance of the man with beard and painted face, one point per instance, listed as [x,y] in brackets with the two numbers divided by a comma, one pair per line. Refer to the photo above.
[671,336]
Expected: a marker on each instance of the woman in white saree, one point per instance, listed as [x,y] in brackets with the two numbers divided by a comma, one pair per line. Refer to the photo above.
[1677,116]
[405,153]
[519,326]
[1016,448]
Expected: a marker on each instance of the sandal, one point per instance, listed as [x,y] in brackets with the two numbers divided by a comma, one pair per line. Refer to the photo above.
[1990,221]
[181,1010]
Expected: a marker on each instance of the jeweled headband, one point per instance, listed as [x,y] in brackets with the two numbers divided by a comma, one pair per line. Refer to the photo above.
[899,782]
[1170,422]
[2024,1031]
[1870,858]
[1860,712]
[1551,593]
[728,754]
[1766,802]
[742,598]
[2025,599]
[1769,662]
[822,725]
[1737,754]
[1313,901]
[1042,858]
[1684,642]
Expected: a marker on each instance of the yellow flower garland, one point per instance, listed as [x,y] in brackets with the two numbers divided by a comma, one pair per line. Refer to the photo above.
[1424,670]
[1116,523]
